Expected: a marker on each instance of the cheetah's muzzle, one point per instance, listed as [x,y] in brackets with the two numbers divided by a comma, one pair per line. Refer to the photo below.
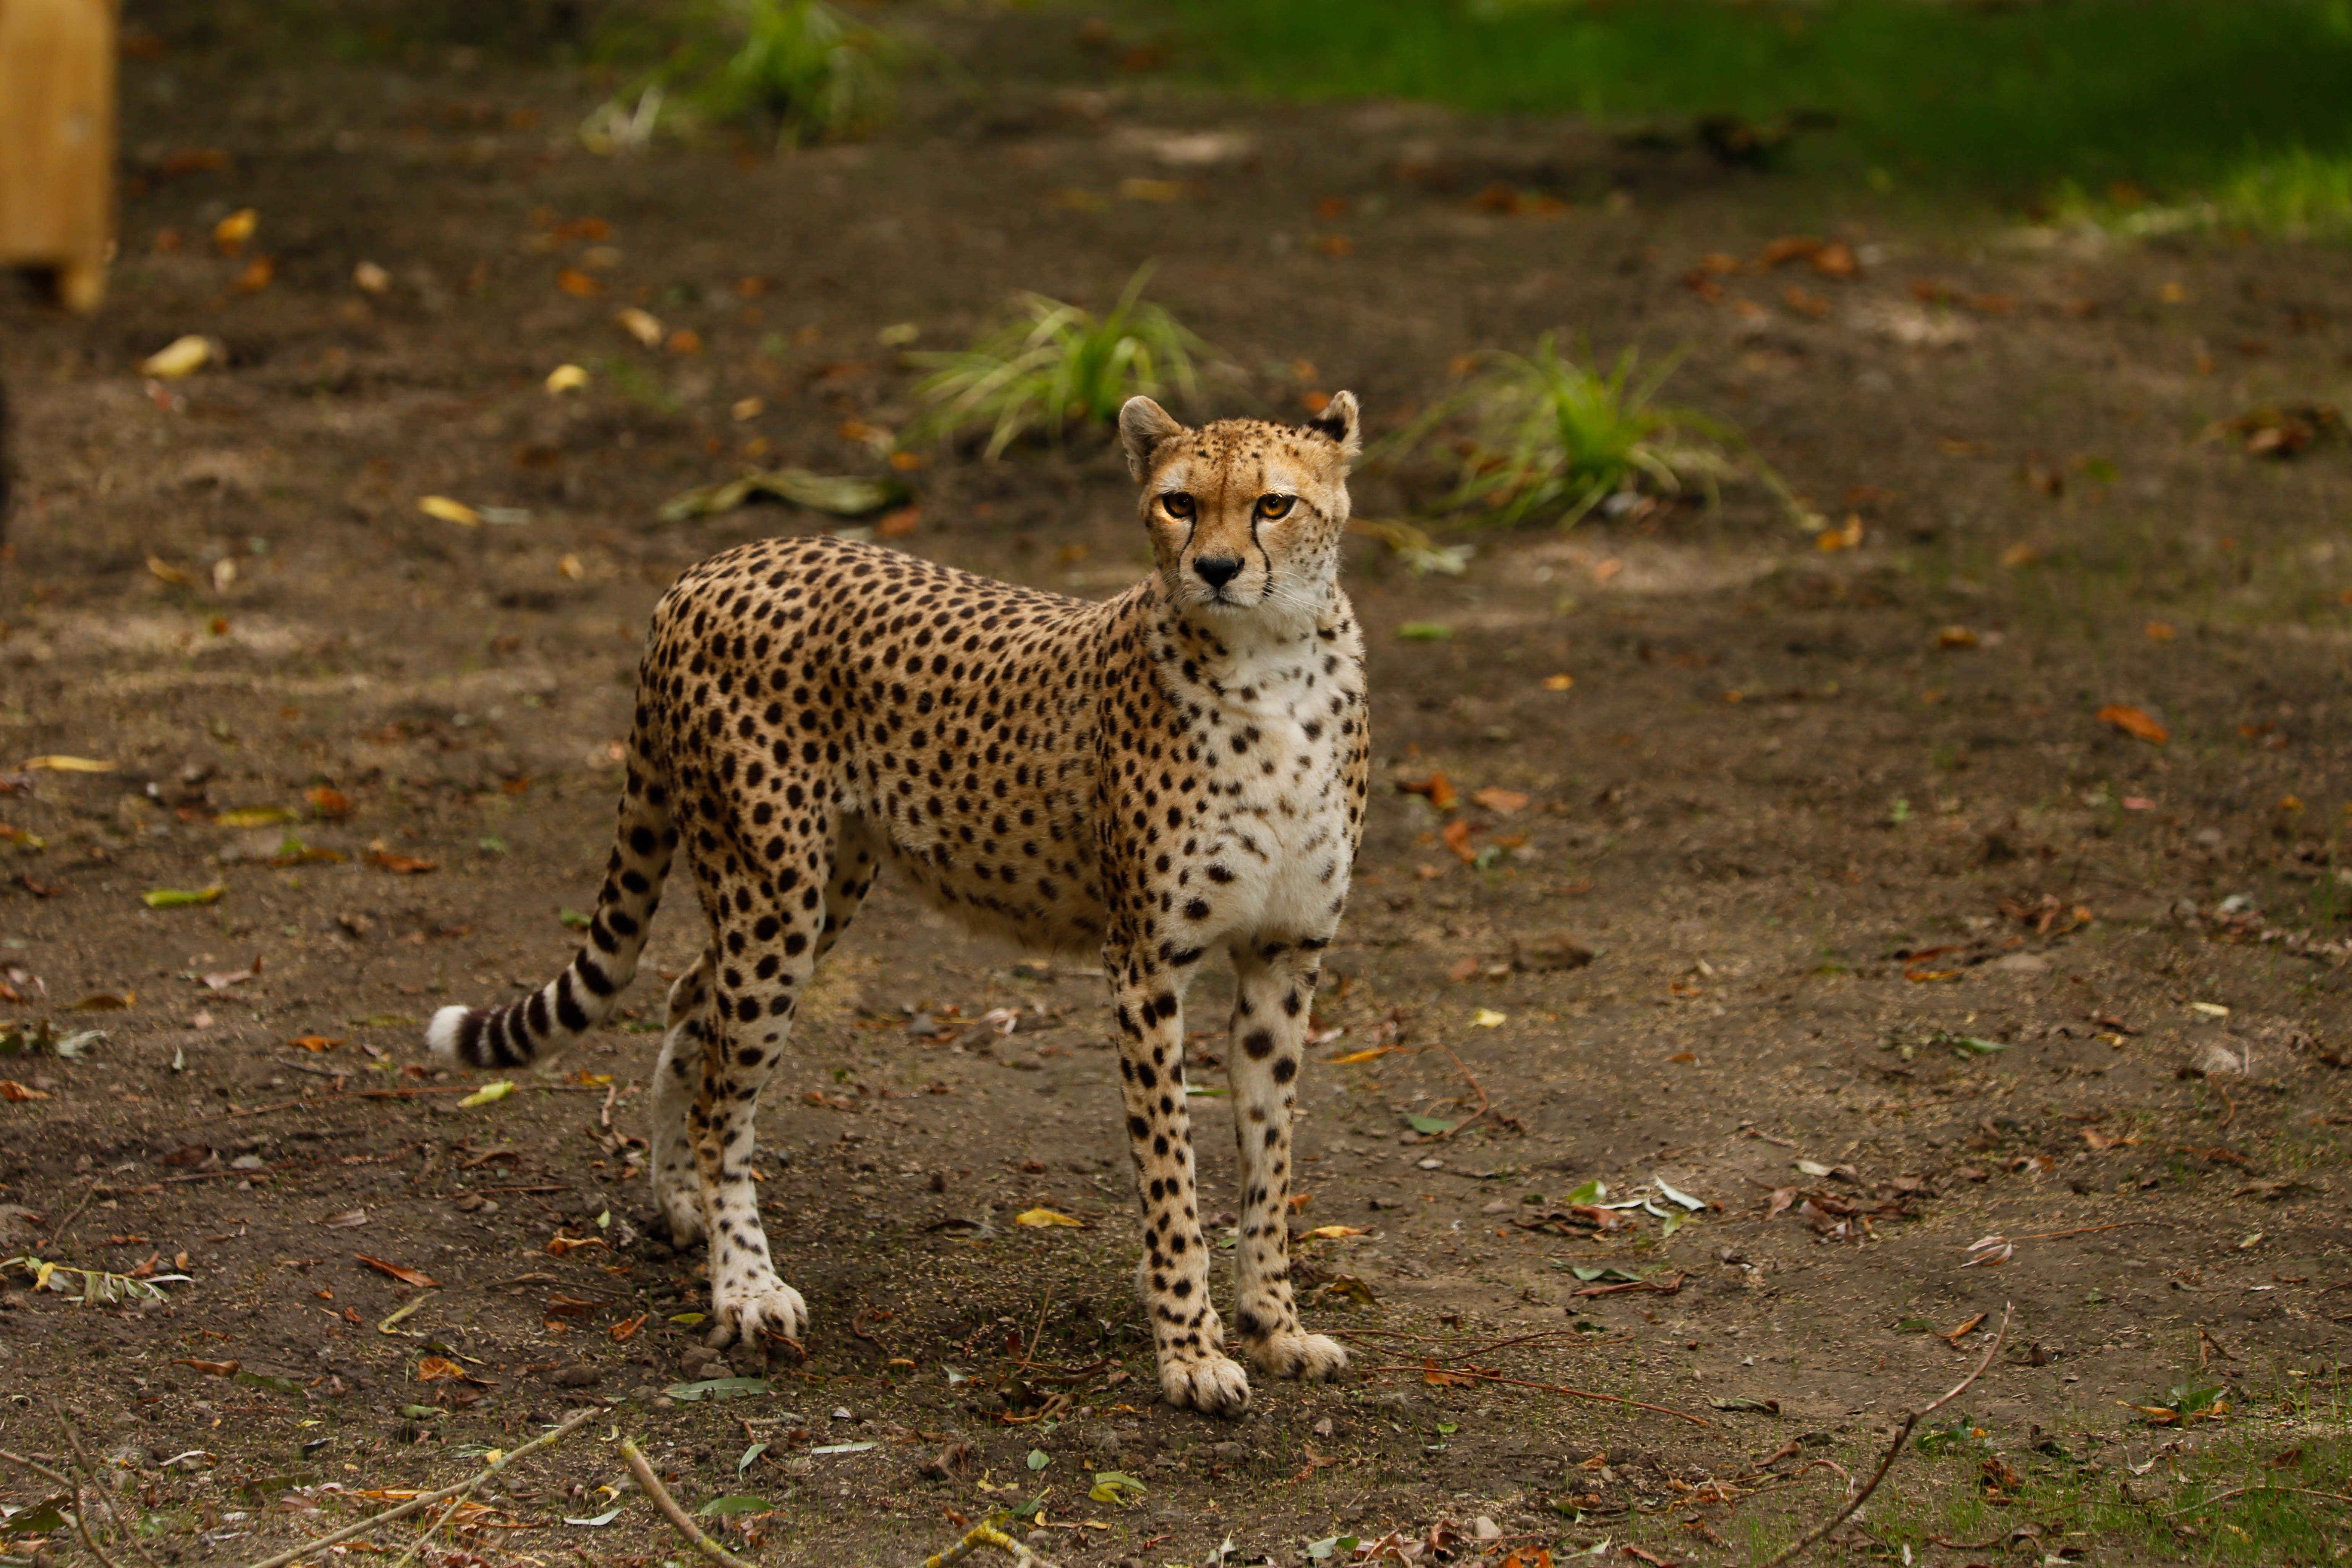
[1178,770]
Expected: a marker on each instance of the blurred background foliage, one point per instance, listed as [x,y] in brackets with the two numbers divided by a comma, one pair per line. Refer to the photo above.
[2152,114]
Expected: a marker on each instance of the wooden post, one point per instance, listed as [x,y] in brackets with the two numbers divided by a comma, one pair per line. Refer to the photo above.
[56,143]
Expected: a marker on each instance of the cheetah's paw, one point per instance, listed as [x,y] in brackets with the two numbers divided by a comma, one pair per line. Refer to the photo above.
[1213,1384]
[1311,1358]
[757,1305]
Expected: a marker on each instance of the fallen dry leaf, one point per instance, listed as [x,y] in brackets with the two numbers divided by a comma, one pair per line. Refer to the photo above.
[642,325]
[449,510]
[1503,801]
[315,1042]
[406,1275]
[182,356]
[209,1368]
[561,1245]
[398,864]
[10,1089]
[2134,723]
[328,801]
[1436,789]
[1457,838]
[1042,1217]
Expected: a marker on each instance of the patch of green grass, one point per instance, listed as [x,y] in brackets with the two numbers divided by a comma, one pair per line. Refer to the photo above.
[1055,365]
[2239,100]
[1548,437]
[797,67]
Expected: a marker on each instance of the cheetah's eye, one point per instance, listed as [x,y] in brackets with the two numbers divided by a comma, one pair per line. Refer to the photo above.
[1272,506]
[1177,504]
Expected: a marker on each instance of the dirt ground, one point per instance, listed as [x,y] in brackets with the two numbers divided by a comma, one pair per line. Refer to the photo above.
[1823,895]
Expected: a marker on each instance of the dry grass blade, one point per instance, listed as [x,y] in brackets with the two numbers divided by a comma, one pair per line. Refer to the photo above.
[1911,1418]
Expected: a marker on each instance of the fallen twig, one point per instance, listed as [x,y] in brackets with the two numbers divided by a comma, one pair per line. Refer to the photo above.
[650,1484]
[989,1531]
[2240,1492]
[1561,1388]
[1911,1418]
[426,1500]
[36,1467]
[2086,1230]
[1483,1104]
[86,1470]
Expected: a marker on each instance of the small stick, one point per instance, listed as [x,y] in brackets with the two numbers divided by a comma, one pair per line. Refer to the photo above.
[989,1531]
[1484,1105]
[58,1235]
[2240,1492]
[82,1460]
[2086,1230]
[38,1468]
[1555,1388]
[427,1500]
[1911,1418]
[650,1484]
[1037,1335]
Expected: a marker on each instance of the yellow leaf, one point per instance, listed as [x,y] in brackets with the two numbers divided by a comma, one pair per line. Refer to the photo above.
[448,510]
[1487,1018]
[1365,1055]
[1040,1218]
[182,356]
[233,230]
[566,378]
[489,1092]
[67,766]
[642,325]
[1334,1232]
[1561,682]
[253,816]
[176,575]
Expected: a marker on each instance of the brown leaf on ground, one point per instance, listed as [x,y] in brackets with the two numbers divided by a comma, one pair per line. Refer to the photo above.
[2134,723]
[1501,801]
[405,1275]
[1457,838]
[209,1368]
[1436,789]
[10,1089]
[384,859]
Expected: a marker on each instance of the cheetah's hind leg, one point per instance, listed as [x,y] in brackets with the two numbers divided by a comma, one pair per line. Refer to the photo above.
[677,1193]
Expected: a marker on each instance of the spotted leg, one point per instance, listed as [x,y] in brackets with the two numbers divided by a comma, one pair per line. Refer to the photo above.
[763,953]
[677,1075]
[1273,987]
[1173,1278]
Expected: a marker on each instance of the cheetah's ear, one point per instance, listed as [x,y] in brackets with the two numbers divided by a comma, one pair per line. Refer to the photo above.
[1339,421]
[1143,424]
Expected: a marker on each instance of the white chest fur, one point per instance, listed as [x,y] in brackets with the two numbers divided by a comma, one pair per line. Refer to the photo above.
[1277,821]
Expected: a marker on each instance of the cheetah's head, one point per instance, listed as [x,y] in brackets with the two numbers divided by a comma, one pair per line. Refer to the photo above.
[1245,516]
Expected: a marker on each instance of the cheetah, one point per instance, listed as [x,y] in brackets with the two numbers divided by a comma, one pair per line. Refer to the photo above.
[1175,771]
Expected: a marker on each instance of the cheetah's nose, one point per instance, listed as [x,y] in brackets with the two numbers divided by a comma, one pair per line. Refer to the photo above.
[1217,570]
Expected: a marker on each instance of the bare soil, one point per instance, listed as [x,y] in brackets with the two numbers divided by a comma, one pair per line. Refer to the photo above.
[1825,859]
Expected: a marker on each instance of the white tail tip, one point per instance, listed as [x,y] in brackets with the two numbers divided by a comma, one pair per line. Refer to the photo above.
[441,1035]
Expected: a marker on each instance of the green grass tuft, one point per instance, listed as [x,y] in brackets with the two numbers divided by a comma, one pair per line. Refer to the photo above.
[1055,365]
[1547,436]
[796,66]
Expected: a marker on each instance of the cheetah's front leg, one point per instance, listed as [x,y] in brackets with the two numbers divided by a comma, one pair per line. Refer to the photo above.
[1274,988]
[1173,1278]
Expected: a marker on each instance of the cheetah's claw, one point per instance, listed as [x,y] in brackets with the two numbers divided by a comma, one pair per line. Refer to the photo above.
[761,1306]
[1213,1384]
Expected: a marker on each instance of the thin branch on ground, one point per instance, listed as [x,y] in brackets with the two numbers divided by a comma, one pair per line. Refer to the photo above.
[989,1531]
[36,1467]
[57,1237]
[650,1484]
[2241,1491]
[1484,1105]
[1559,1388]
[2086,1230]
[426,1500]
[1037,1335]
[1911,1418]
[89,1472]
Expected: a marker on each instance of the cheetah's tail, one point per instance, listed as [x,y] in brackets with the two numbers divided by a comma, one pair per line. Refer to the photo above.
[583,995]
